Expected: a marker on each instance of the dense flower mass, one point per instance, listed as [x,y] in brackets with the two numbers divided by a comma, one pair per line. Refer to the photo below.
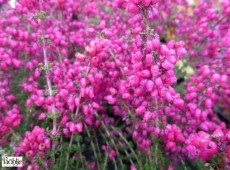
[97,84]
[34,143]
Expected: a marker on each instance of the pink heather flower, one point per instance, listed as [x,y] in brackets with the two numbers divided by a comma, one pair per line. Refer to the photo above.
[164,50]
[211,149]
[66,132]
[149,46]
[208,103]
[132,8]
[147,116]
[218,135]
[154,70]
[80,57]
[156,44]
[126,96]
[47,143]
[178,102]
[209,91]
[223,79]
[215,78]
[132,167]
[146,2]
[30,154]
[227,136]
[146,73]
[79,127]
[170,167]
[140,110]
[135,134]
[77,101]
[148,59]
[149,85]
[41,146]
[152,14]
[181,51]
[42,116]
[158,82]
[166,65]
[136,1]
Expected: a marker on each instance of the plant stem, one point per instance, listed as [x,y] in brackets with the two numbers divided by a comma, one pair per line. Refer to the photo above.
[127,154]
[127,143]
[114,160]
[105,162]
[156,158]
[156,146]
[92,145]
[67,155]
[81,157]
[49,85]
[97,144]
[107,132]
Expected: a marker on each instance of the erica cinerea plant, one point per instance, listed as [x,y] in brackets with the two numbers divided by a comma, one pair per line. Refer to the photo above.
[93,84]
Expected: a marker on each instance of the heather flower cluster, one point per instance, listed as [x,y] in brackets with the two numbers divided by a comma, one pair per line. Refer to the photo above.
[34,143]
[97,84]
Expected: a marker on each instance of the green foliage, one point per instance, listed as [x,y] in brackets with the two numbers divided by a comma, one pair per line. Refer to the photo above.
[45,39]
[44,67]
[40,15]
[95,20]
[183,71]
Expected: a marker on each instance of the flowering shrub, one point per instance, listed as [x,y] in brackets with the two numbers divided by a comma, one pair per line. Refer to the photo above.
[94,84]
